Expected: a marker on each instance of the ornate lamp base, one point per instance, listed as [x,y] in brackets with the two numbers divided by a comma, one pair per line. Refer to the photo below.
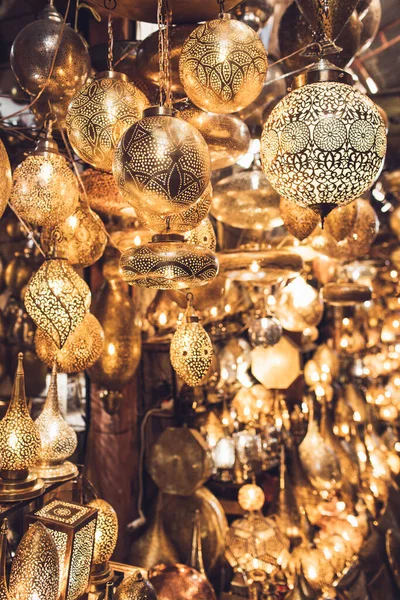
[62,472]
[100,575]
[12,490]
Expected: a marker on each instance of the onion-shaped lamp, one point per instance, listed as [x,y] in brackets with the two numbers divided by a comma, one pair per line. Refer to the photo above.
[57,299]
[35,569]
[45,190]
[105,540]
[19,446]
[329,154]
[58,439]
[162,164]
[135,587]
[168,262]
[223,65]
[81,350]
[191,348]
[100,114]
[5,178]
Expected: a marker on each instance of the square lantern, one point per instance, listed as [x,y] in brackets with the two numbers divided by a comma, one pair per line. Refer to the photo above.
[73,529]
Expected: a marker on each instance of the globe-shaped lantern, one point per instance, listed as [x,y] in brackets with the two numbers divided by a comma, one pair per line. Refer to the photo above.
[324,144]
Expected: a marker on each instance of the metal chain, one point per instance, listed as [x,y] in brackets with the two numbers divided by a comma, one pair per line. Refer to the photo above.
[110,44]
[163,21]
[221,4]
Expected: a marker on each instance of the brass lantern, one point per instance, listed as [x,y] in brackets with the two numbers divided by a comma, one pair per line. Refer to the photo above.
[5,178]
[72,527]
[105,540]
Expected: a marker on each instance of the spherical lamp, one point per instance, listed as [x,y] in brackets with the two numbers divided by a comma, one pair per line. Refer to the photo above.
[100,114]
[5,178]
[81,350]
[45,190]
[330,152]
[81,238]
[299,305]
[223,65]
[264,330]
[162,164]
[178,222]
[57,299]
[168,262]
[105,540]
[202,235]
[103,195]
[251,497]
[135,587]
[58,439]
[33,52]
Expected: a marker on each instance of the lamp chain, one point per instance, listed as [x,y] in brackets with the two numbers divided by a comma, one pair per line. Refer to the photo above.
[164,55]
[110,43]
[221,4]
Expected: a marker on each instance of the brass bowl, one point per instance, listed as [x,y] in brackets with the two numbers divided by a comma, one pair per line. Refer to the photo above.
[180,582]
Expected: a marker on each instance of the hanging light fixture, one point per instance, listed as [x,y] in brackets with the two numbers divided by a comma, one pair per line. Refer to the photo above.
[223,65]
[168,262]
[191,348]
[35,568]
[103,195]
[105,540]
[5,178]
[81,238]
[57,299]
[333,153]
[299,305]
[58,439]
[202,235]
[44,190]
[102,111]
[264,330]
[298,220]
[81,350]
[19,446]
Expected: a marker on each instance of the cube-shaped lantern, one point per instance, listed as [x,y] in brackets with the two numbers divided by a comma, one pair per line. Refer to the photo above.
[72,527]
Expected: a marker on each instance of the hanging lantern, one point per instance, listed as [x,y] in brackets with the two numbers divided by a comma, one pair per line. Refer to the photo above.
[341,221]
[226,136]
[264,330]
[81,350]
[168,262]
[19,446]
[299,305]
[251,497]
[202,235]
[81,238]
[178,222]
[298,220]
[103,195]
[191,348]
[58,439]
[162,164]
[247,200]
[346,293]
[105,540]
[333,154]
[268,266]
[276,367]
[35,567]
[72,527]
[45,190]
[222,66]
[255,13]
[100,114]
[5,178]
[57,299]
[33,53]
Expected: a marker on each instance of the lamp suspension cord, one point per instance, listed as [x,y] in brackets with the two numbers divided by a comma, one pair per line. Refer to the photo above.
[110,43]
[164,53]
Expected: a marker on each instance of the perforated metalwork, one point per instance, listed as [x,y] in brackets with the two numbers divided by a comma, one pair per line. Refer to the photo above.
[202,235]
[191,352]
[323,143]
[81,561]
[5,178]
[223,65]
[106,535]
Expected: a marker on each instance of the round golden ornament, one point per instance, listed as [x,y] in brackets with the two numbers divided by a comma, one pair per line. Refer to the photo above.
[106,535]
[300,221]
[35,569]
[246,200]
[44,190]
[202,235]
[162,163]
[5,178]
[264,330]
[178,222]
[103,195]
[135,587]
[168,262]
[100,114]
[341,221]
[227,137]
[251,497]
[57,299]
[222,66]
[32,56]
[341,148]
[81,238]
[299,305]
[81,350]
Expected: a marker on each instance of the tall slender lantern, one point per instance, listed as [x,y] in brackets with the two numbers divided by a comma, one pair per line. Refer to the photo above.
[58,439]
[105,540]
[19,446]
[72,528]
